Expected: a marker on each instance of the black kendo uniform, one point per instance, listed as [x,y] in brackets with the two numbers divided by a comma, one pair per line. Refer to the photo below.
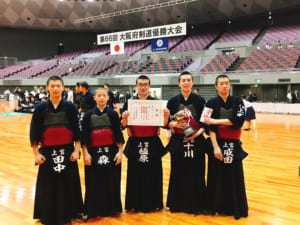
[144,150]
[225,180]
[101,133]
[58,197]
[187,187]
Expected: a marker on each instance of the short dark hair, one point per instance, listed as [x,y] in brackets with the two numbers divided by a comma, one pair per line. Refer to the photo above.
[84,84]
[54,78]
[106,84]
[220,77]
[143,77]
[185,73]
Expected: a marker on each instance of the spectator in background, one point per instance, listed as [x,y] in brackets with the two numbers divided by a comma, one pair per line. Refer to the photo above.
[70,97]
[86,101]
[35,92]
[289,96]
[20,94]
[77,95]
[117,96]
[27,93]
[111,95]
[291,45]
[153,94]
[7,93]
[279,45]
[196,91]
[87,97]
[294,97]
[43,94]
[268,46]
[251,97]
[68,94]
[134,94]
[250,113]
[25,105]
[127,95]
[65,93]
[122,98]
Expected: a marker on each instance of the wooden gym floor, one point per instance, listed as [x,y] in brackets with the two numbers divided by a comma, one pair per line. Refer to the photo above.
[271,176]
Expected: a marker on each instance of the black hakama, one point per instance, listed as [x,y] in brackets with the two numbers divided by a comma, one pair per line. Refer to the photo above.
[187,187]
[103,183]
[250,113]
[144,174]
[187,182]
[58,193]
[225,181]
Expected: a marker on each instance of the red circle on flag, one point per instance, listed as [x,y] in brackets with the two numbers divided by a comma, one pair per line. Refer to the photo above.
[117,48]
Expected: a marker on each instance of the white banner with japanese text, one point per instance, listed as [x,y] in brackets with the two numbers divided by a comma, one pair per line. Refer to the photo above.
[171,30]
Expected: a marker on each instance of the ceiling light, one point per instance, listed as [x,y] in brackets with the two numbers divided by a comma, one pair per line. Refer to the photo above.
[133,10]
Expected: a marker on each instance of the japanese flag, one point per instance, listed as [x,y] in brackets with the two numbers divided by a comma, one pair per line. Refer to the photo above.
[117,48]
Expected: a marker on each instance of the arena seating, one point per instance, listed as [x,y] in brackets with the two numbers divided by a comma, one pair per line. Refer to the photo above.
[105,65]
[195,42]
[62,69]
[33,71]
[240,34]
[220,63]
[65,56]
[92,69]
[101,49]
[11,70]
[271,60]
[119,68]
[163,65]
[282,33]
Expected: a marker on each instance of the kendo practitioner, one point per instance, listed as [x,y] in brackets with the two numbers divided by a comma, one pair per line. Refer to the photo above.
[86,101]
[187,148]
[144,150]
[54,138]
[102,145]
[225,181]
[250,113]
[87,97]
[112,99]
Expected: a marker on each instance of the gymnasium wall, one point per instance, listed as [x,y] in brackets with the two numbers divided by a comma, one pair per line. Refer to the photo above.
[35,44]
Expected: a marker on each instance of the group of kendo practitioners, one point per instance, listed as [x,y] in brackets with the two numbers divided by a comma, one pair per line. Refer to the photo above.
[57,141]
